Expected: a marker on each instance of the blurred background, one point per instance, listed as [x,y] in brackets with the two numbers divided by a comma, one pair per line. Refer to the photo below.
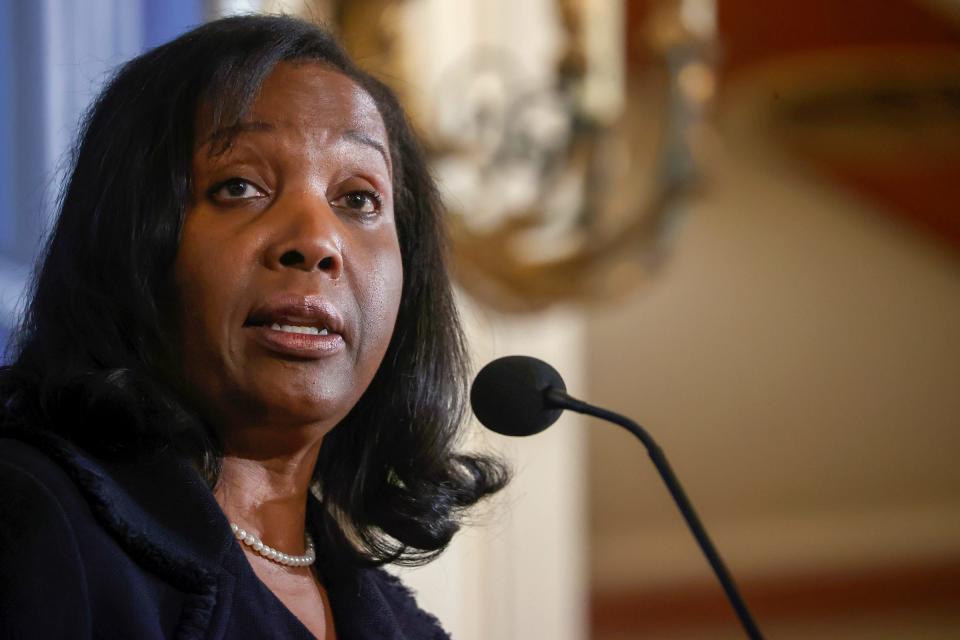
[735,222]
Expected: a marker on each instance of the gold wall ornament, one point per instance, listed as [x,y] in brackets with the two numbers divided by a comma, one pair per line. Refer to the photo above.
[549,197]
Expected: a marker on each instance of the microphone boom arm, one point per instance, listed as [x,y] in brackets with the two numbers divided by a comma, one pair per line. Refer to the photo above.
[559,399]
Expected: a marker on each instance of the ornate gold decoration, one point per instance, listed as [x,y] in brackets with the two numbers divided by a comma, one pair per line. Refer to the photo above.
[548,202]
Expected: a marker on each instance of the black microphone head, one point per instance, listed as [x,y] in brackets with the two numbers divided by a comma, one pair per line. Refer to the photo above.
[507,395]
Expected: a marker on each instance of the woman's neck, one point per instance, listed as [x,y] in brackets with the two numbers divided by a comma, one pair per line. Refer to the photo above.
[268,496]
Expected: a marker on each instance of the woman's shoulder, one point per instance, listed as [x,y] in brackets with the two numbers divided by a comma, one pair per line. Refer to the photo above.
[23,451]
[378,605]
[46,518]
[146,506]
[35,490]
[81,544]
[405,608]
[45,479]
[39,551]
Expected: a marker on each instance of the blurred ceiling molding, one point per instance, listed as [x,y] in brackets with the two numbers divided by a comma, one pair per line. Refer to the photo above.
[948,8]
[869,107]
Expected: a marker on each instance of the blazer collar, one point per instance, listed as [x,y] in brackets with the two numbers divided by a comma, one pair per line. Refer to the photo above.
[158,507]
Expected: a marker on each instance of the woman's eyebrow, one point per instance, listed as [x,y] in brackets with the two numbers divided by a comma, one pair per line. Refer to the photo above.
[367,141]
[229,132]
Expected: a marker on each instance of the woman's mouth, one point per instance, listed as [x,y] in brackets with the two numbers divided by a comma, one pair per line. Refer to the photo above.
[298,340]
[302,329]
[302,326]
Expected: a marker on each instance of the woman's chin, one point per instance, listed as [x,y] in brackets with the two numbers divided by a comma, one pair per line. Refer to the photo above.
[315,406]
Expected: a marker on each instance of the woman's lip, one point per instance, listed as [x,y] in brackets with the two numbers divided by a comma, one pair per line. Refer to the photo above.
[289,308]
[304,345]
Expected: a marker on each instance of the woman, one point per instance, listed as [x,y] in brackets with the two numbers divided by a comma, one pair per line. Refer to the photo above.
[237,387]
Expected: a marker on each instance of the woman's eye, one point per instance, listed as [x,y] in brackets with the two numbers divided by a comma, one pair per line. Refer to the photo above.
[235,189]
[359,201]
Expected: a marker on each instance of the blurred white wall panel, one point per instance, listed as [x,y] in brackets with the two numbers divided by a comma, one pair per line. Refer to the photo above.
[521,572]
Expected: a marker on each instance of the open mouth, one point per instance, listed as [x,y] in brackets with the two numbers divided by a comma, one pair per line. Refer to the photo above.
[302,329]
[296,338]
[296,325]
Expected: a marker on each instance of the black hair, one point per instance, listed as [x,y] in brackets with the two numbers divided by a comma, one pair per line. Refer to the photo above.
[88,357]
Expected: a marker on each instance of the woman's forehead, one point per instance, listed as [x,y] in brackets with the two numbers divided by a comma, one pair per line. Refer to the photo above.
[310,98]
[315,93]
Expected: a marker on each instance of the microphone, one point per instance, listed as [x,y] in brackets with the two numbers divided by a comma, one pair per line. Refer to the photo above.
[521,396]
[507,395]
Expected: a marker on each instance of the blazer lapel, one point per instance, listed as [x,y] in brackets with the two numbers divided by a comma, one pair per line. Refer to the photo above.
[162,513]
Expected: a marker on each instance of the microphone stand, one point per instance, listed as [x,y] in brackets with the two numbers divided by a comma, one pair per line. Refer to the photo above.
[557,398]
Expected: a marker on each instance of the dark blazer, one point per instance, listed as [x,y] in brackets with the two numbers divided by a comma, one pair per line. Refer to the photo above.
[91,549]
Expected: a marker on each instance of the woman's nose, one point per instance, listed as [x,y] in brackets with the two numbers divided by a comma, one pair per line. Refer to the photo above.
[309,239]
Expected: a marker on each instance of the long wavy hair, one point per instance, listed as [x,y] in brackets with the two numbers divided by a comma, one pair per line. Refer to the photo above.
[88,357]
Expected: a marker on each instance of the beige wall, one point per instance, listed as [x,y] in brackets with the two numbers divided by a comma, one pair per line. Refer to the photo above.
[799,362]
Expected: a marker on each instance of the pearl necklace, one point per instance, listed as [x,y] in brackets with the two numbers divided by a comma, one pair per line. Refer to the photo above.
[272,554]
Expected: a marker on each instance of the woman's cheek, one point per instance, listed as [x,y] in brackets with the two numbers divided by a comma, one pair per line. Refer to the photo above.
[382,298]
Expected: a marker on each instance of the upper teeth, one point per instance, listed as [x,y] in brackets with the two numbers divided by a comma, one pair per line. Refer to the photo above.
[291,328]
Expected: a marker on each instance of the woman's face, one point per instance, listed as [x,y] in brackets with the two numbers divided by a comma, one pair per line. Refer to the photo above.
[288,271]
